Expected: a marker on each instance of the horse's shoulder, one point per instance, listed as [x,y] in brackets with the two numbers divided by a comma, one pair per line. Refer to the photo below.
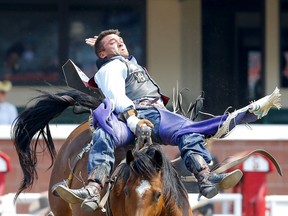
[84,127]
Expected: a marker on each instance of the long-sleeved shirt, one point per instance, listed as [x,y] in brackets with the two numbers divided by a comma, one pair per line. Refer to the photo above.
[111,80]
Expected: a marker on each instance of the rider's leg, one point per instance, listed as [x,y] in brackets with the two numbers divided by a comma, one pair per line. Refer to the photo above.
[100,162]
[196,156]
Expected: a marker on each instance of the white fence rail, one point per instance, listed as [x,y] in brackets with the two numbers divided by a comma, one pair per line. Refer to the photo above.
[241,132]
[275,204]
[226,199]
[8,208]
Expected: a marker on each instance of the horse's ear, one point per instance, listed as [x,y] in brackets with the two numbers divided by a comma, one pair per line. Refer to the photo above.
[129,157]
[158,159]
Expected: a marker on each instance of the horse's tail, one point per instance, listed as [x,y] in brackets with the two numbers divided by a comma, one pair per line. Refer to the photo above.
[33,122]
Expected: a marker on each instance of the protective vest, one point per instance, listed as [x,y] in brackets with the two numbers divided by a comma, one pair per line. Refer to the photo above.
[138,83]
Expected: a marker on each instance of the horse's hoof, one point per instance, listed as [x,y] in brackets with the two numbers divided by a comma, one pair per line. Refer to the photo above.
[230,180]
[67,195]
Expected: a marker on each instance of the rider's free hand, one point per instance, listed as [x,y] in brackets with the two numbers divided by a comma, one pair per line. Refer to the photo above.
[91,41]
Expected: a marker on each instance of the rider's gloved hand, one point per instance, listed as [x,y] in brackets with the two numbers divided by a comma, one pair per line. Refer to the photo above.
[133,121]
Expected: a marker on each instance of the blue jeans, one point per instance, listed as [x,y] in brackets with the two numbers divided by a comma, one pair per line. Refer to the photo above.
[104,146]
[102,150]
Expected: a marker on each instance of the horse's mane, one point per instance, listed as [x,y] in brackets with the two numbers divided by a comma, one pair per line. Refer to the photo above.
[144,165]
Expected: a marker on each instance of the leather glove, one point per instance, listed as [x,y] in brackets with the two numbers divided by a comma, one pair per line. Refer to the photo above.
[133,121]
[143,122]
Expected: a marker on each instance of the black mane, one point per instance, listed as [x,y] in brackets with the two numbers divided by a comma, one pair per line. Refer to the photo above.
[144,166]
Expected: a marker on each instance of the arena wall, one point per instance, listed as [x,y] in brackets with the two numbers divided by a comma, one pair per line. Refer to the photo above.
[272,138]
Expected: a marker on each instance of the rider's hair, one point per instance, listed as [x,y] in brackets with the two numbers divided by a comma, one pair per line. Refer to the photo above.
[98,47]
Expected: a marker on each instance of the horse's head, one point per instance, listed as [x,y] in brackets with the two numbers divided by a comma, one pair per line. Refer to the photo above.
[153,186]
[144,188]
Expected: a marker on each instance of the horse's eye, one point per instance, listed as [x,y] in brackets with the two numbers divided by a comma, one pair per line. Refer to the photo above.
[157,195]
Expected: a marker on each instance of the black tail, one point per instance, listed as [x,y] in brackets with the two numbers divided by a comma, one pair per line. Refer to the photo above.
[33,123]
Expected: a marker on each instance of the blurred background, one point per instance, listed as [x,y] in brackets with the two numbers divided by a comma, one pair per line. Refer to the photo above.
[235,51]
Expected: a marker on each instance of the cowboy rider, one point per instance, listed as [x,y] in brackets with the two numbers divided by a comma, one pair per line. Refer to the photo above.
[134,95]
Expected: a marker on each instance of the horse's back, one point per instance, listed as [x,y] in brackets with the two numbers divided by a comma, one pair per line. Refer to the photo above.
[66,157]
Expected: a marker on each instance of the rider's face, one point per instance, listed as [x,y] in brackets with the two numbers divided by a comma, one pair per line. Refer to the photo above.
[113,45]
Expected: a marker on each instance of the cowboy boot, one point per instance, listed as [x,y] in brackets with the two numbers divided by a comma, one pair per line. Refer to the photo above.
[88,195]
[210,183]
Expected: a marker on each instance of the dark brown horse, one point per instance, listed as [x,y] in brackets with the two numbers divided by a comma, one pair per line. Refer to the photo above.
[166,194]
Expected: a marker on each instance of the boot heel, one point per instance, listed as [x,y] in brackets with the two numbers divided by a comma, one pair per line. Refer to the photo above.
[209,192]
[69,197]
[230,180]
[89,205]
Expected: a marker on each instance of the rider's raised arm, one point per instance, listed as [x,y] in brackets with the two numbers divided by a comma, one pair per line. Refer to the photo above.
[91,41]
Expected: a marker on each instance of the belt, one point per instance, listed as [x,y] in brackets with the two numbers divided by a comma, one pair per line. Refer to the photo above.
[145,103]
